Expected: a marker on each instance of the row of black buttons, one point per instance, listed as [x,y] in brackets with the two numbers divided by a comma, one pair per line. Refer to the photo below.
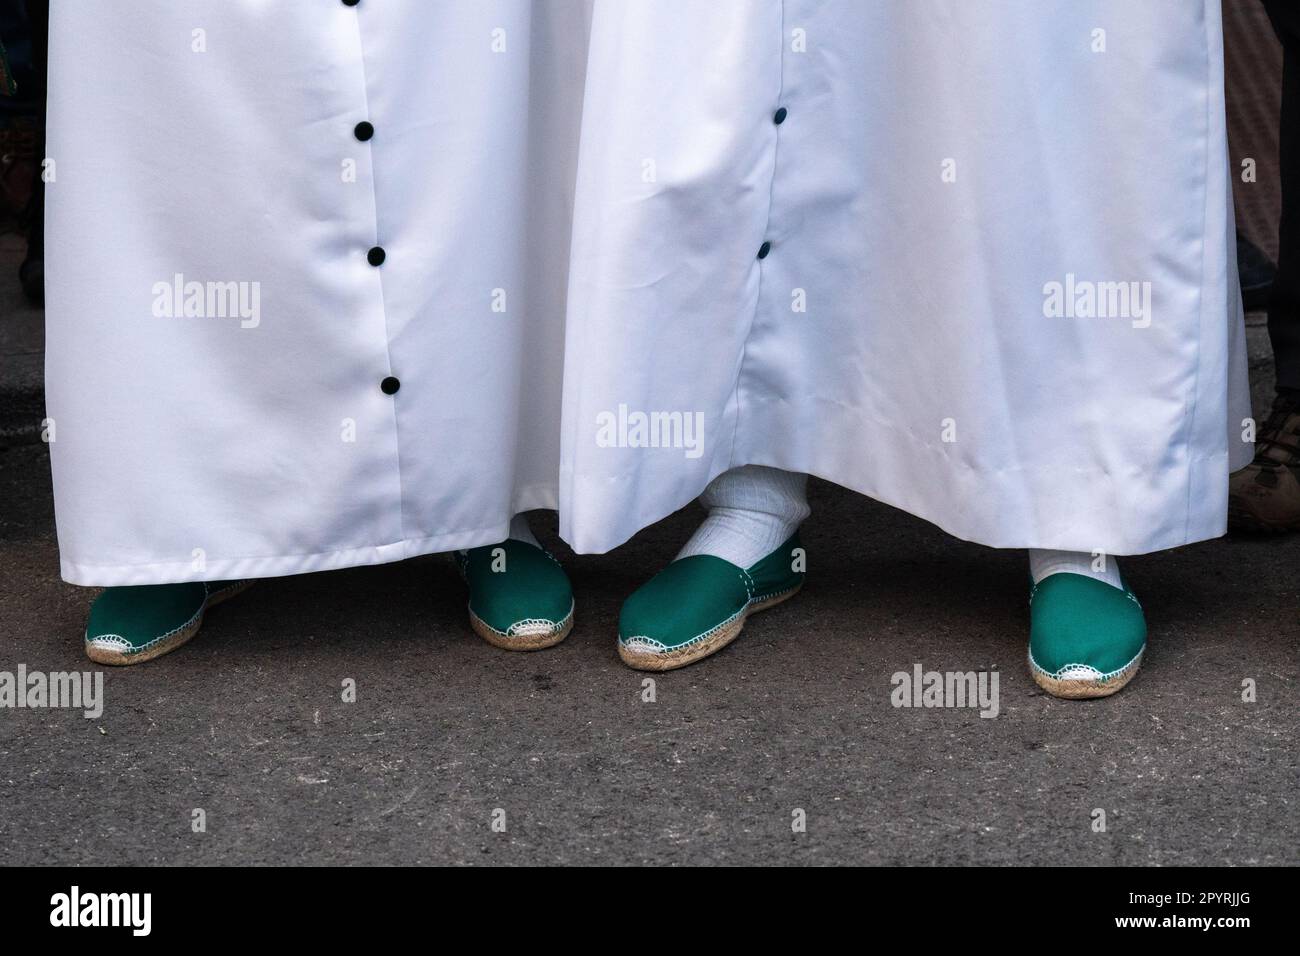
[364,132]
[376,256]
[778,118]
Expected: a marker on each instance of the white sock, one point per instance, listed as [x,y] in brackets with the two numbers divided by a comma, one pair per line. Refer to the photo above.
[519,530]
[1042,563]
[752,511]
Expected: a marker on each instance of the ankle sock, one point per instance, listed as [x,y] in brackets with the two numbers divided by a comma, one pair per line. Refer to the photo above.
[519,530]
[1043,563]
[752,511]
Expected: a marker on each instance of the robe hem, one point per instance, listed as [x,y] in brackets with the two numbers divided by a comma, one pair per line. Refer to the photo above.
[1058,508]
[275,566]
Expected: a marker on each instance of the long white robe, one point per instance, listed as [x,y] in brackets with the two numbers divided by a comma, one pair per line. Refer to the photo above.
[942,167]
[214,140]
[571,205]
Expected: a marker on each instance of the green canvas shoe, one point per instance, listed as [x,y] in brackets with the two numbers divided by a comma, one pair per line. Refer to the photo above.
[696,606]
[1086,637]
[131,625]
[519,596]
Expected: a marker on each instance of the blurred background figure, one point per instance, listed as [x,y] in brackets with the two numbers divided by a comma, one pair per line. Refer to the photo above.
[1265,496]
[24,32]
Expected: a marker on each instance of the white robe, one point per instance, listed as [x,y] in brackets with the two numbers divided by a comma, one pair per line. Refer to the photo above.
[217,446]
[941,163]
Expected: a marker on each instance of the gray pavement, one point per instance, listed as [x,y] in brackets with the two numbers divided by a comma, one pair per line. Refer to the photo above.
[247,722]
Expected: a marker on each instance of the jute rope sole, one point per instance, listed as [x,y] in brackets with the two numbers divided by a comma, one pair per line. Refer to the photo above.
[671,660]
[115,658]
[1086,689]
[523,642]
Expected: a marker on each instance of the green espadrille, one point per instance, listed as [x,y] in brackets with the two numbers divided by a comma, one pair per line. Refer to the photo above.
[519,596]
[698,605]
[1086,637]
[130,625]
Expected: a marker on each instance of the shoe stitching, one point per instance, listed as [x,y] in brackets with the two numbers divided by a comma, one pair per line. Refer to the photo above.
[641,640]
[1099,679]
[555,625]
[694,640]
[162,637]
[771,594]
[111,639]
[664,648]
[747,580]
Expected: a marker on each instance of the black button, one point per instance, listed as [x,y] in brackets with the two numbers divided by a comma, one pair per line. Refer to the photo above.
[364,131]
[764,249]
[376,256]
[350,3]
[390,385]
[779,118]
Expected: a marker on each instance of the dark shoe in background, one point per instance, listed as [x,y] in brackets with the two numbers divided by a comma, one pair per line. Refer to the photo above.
[1265,495]
[1257,273]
